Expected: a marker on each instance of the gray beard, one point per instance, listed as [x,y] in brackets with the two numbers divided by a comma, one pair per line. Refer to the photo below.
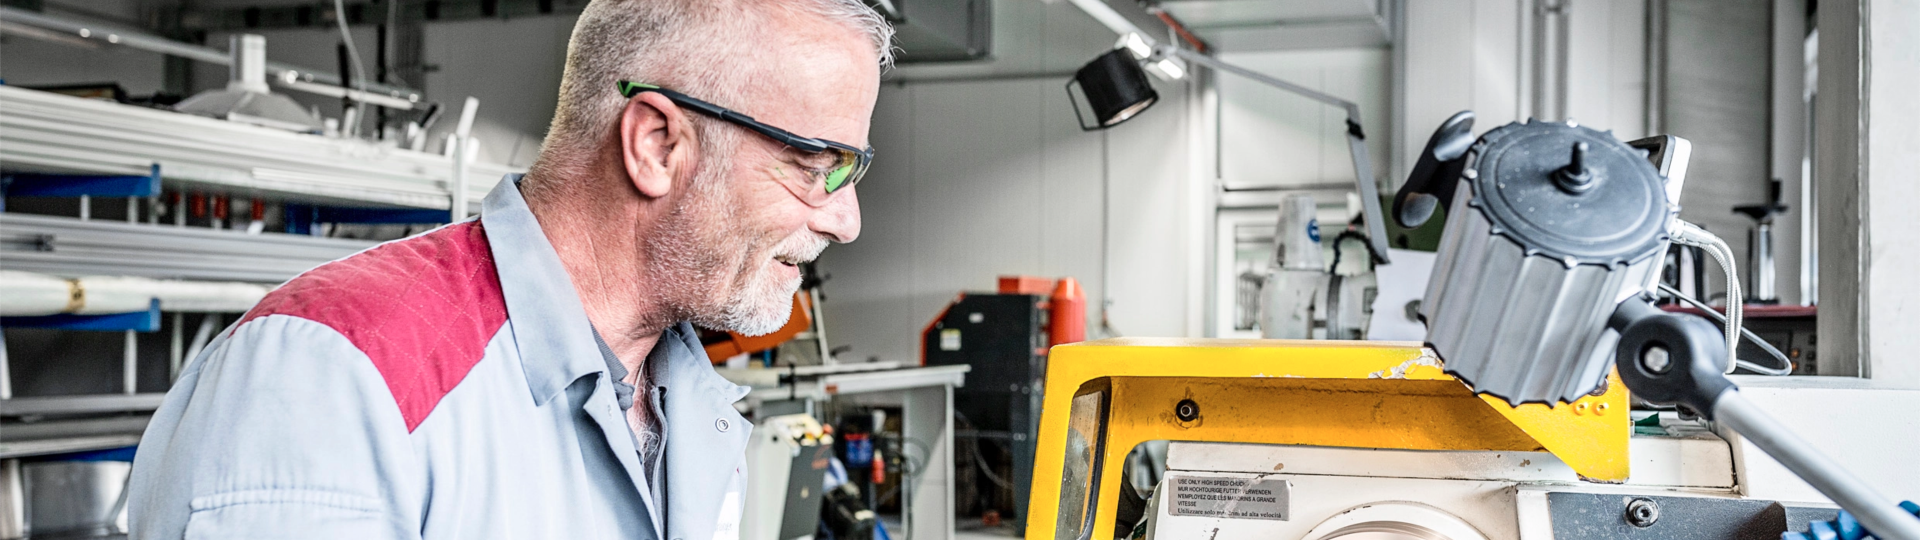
[693,257]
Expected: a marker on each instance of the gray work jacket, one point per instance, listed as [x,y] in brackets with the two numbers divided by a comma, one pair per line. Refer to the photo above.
[445,386]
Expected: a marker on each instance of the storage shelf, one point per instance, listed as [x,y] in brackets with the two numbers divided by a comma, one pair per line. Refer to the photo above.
[46,132]
[84,404]
[70,247]
[65,445]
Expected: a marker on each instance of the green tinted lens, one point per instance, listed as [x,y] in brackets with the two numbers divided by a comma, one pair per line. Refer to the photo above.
[838,177]
[843,171]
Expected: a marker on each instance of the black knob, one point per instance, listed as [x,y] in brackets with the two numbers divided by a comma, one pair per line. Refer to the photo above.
[1576,177]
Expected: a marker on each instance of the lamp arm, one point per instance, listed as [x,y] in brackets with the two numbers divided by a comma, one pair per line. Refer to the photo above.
[1673,359]
[1356,141]
[1353,110]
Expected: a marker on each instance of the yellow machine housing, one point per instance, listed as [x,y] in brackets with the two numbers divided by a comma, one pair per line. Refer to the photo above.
[1104,397]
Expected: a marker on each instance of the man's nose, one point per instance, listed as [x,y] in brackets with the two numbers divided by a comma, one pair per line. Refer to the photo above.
[839,219]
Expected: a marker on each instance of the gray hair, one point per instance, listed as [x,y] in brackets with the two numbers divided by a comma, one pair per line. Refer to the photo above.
[694,46]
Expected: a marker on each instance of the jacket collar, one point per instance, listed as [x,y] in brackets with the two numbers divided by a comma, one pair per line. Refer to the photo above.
[550,327]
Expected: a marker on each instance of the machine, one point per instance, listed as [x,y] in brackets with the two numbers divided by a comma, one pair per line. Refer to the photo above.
[789,456]
[1004,338]
[1513,420]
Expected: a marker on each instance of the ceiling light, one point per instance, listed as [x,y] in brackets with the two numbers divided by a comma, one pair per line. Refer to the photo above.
[1167,69]
[1136,44]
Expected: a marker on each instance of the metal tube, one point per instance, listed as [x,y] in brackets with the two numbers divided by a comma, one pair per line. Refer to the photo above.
[6,375]
[284,74]
[1878,513]
[1760,263]
[1215,63]
[208,325]
[177,347]
[1369,192]
[130,364]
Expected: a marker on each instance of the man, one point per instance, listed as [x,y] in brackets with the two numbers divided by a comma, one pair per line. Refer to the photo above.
[532,373]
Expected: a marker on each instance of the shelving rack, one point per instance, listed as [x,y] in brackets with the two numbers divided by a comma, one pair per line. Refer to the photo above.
[64,146]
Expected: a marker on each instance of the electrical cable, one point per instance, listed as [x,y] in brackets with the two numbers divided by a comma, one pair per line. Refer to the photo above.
[979,461]
[1752,337]
[353,58]
[1688,234]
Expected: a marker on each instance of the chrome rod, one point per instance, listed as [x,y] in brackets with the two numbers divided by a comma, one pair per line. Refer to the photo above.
[1877,512]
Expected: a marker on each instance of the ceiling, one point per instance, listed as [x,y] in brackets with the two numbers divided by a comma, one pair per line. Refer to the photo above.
[1262,25]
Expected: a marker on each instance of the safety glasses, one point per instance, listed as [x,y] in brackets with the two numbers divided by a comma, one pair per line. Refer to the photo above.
[848,166]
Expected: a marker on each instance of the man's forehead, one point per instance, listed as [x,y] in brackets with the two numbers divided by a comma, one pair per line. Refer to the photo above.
[816,77]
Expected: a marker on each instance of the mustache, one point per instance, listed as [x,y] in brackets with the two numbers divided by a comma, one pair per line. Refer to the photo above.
[802,247]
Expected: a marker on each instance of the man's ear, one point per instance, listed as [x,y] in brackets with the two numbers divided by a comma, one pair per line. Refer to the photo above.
[656,143]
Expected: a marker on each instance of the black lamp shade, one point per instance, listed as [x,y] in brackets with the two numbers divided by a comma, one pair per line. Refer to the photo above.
[1115,87]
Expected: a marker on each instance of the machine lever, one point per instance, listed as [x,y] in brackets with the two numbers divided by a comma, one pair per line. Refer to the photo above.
[1431,183]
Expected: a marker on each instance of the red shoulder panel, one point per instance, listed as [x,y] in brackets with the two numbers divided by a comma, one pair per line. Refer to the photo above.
[422,309]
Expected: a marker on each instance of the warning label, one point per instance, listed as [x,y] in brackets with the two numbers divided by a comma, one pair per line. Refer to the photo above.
[1228,497]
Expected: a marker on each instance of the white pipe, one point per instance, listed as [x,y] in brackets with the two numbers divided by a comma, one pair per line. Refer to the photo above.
[462,151]
[130,364]
[177,347]
[6,392]
[28,293]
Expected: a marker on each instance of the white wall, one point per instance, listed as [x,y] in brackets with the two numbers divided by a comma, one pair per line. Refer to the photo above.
[1478,55]
[1273,138]
[28,61]
[976,179]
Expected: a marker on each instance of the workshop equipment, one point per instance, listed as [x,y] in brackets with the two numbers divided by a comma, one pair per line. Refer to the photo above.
[246,98]
[1760,243]
[1323,439]
[1551,226]
[1294,293]
[1536,297]
[1003,338]
[1105,397]
[1529,302]
[1066,313]
[788,456]
[1114,88]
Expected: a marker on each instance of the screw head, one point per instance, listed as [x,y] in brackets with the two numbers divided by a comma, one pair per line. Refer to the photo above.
[1642,512]
[1656,359]
[1186,410]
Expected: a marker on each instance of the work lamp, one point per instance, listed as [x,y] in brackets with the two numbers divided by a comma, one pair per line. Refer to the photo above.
[1114,87]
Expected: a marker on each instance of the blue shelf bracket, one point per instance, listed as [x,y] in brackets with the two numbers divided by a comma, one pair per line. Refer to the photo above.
[138,321]
[301,218]
[75,185]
